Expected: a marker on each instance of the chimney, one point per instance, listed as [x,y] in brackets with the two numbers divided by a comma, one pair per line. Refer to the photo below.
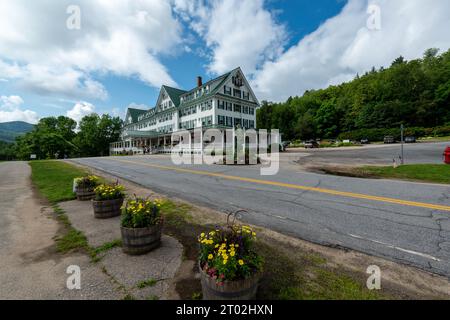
[199,82]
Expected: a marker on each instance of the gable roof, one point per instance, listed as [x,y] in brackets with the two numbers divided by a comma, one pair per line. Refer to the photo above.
[174,94]
[135,113]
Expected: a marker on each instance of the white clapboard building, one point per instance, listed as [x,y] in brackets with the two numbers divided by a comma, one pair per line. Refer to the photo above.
[225,102]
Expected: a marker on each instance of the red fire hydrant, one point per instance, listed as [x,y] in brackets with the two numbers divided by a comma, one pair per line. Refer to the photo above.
[447,155]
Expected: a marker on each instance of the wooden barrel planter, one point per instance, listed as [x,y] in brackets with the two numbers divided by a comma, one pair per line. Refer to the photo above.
[107,209]
[229,290]
[84,194]
[141,240]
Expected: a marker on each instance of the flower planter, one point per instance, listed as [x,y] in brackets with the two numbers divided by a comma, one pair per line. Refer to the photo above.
[229,290]
[84,194]
[141,240]
[107,208]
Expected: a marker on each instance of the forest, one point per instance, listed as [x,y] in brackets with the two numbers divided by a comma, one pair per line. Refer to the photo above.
[60,137]
[414,93]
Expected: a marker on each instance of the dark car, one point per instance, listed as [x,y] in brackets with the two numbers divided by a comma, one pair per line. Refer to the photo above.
[365,141]
[389,140]
[311,144]
[410,140]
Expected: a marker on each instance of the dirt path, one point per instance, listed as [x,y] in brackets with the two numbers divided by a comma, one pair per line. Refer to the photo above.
[30,267]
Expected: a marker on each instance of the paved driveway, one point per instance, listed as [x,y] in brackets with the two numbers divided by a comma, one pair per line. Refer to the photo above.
[375,154]
[401,221]
[30,268]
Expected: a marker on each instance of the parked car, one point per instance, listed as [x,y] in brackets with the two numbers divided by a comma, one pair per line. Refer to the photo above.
[389,140]
[365,141]
[410,140]
[311,144]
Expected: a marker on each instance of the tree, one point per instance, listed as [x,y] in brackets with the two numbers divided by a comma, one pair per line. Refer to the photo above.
[96,133]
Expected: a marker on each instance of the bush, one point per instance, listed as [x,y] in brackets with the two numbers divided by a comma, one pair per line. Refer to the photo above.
[379,134]
[141,213]
[109,192]
[88,182]
[228,255]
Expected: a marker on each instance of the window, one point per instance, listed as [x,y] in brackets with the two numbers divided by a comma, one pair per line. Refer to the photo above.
[237,122]
[207,121]
[251,124]
[245,123]
[221,120]
[246,95]
[229,121]
[221,104]
[237,93]
[245,110]
[229,106]
[227,90]
[251,111]
[237,108]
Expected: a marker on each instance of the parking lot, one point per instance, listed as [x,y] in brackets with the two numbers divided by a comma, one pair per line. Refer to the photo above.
[417,153]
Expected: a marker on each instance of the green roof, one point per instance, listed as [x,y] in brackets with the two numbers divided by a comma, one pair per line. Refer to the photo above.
[135,113]
[174,94]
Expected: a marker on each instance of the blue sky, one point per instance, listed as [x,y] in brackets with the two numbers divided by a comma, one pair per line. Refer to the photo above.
[123,52]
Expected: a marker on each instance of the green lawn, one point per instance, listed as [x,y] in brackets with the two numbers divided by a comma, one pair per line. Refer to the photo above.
[54,179]
[439,173]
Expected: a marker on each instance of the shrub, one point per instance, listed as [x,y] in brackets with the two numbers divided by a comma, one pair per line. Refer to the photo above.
[88,182]
[109,192]
[141,213]
[227,254]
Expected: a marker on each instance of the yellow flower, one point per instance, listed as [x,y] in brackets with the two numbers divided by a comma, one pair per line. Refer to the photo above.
[210,257]
[232,254]
[225,261]
[202,235]
[241,262]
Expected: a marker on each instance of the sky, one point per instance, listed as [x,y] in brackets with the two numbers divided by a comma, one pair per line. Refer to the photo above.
[76,57]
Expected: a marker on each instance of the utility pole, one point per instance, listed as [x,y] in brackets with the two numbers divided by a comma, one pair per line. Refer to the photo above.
[402,128]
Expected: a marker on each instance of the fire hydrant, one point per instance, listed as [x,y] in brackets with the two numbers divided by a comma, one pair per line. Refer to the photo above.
[447,155]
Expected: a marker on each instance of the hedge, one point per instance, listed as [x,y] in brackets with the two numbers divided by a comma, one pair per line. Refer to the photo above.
[379,134]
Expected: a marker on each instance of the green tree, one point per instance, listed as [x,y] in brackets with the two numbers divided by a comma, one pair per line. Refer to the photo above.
[96,133]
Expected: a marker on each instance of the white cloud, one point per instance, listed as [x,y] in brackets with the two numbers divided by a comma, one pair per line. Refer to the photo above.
[124,38]
[239,33]
[80,110]
[343,46]
[10,110]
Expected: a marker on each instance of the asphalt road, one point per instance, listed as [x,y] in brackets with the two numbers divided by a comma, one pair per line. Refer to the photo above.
[377,154]
[401,221]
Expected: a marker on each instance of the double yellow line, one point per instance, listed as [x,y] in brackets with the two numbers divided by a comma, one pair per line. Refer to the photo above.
[294,186]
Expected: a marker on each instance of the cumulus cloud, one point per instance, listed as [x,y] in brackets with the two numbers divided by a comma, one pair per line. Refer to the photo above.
[123,38]
[344,45]
[80,110]
[238,33]
[10,110]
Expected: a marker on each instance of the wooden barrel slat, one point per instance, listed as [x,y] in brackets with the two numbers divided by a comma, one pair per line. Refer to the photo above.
[84,194]
[107,209]
[230,290]
[142,240]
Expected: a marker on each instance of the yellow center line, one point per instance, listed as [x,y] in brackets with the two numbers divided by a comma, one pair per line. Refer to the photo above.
[295,186]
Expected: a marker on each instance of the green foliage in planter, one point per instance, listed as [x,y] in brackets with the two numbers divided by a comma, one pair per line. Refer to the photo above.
[88,182]
[141,213]
[106,192]
[227,254]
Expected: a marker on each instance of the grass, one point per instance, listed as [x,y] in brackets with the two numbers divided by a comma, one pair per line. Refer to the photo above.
[71,239]
[147,283]
[287,276]
[438,173]
[435,139]
[54,179]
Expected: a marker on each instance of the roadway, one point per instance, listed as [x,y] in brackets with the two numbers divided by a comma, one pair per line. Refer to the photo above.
[401,221]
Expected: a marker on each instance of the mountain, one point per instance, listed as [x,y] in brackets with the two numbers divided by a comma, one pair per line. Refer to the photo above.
[10,130]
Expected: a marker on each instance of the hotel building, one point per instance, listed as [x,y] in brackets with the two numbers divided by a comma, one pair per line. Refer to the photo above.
[222,103]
